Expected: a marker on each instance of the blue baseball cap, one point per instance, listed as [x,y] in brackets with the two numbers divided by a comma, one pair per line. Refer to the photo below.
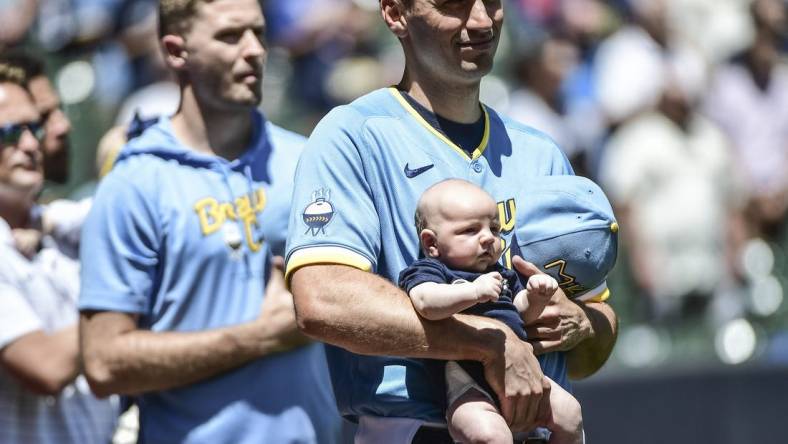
[565,226]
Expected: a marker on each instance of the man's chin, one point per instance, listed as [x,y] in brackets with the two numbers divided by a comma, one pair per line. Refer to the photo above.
[242,102]
[476,68]
[251,99]
[247,100]
[29,183]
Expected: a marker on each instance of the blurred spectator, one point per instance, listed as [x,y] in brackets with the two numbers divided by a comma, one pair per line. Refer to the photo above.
[152,101]
[536,12]
[160,96]
[56,124]
[540,72]
[111,34]
[749,100]
[16,19]
[585,23]
[724,25]
[319,34]
[628,64]
[42,396]
[60,220]
[671,177]
[192,318]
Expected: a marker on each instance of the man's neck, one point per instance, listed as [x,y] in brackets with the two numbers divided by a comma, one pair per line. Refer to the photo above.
[458,103]
[15,206]
[220,133]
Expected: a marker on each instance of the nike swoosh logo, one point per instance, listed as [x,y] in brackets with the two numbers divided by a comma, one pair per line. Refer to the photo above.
[415,172]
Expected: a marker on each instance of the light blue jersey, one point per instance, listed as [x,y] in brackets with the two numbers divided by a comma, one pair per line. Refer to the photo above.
[357,185]
[183,240]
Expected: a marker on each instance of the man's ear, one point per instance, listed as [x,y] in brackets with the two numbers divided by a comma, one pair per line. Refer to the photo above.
[175,52]
[393,15]
[429,242]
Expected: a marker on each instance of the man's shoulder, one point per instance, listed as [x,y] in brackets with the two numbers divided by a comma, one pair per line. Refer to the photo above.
[280,136]
[376,104]
[518,130]
[135,180]
[137,172]
[156,138]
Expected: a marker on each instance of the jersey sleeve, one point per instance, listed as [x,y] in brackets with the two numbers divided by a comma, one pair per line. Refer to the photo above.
[333,219]
[559,164]
[420,272]
[17,317]
[541,148]
[119,248]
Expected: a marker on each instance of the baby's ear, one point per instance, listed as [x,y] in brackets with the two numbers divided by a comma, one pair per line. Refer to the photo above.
[429,242]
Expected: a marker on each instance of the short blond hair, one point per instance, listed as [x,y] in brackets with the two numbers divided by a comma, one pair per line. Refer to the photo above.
[11,72]
[175,15]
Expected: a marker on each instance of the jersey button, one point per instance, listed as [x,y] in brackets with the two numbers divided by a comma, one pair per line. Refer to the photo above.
[477,166]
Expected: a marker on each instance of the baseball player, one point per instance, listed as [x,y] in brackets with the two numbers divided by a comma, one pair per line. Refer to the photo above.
[357,184]
[181,306]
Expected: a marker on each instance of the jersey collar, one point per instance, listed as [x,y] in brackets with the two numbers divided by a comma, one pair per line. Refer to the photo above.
[476,152]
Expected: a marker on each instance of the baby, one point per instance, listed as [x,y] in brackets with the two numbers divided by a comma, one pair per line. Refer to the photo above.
[459,233]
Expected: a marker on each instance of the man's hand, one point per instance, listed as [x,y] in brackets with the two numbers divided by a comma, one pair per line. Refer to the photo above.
[277,310]
[488,287]
[27,241]
[562,324]
[523,391]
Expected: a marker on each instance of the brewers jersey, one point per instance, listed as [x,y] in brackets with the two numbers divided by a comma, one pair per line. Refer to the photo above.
[357,185]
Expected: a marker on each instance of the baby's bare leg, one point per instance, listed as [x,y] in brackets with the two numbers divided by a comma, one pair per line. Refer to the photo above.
[474,419]
[566,423]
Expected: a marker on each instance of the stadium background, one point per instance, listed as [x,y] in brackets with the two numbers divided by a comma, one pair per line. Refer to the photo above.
[714,374]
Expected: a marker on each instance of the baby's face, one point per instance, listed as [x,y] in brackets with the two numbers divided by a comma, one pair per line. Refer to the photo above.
[468,234]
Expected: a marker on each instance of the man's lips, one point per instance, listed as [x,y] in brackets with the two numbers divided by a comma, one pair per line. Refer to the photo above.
[478,43]
[249,77]
[29,166]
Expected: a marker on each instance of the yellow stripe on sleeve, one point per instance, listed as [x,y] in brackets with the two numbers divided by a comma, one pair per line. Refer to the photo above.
[324,255]
[602,297]
[598,294]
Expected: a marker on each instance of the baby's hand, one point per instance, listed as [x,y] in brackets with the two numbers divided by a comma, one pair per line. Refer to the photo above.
[541,286]
[488,286]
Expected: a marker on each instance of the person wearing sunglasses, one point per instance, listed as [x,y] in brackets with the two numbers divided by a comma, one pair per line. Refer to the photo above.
[42,395]
[21,133]
[54,122]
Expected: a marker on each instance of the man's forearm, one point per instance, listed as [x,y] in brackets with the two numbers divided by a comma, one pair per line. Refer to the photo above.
[136,361]
[43,363]
[589,355]
[366,314]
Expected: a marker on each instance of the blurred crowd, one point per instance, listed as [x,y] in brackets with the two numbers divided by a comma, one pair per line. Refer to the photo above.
[677,108]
